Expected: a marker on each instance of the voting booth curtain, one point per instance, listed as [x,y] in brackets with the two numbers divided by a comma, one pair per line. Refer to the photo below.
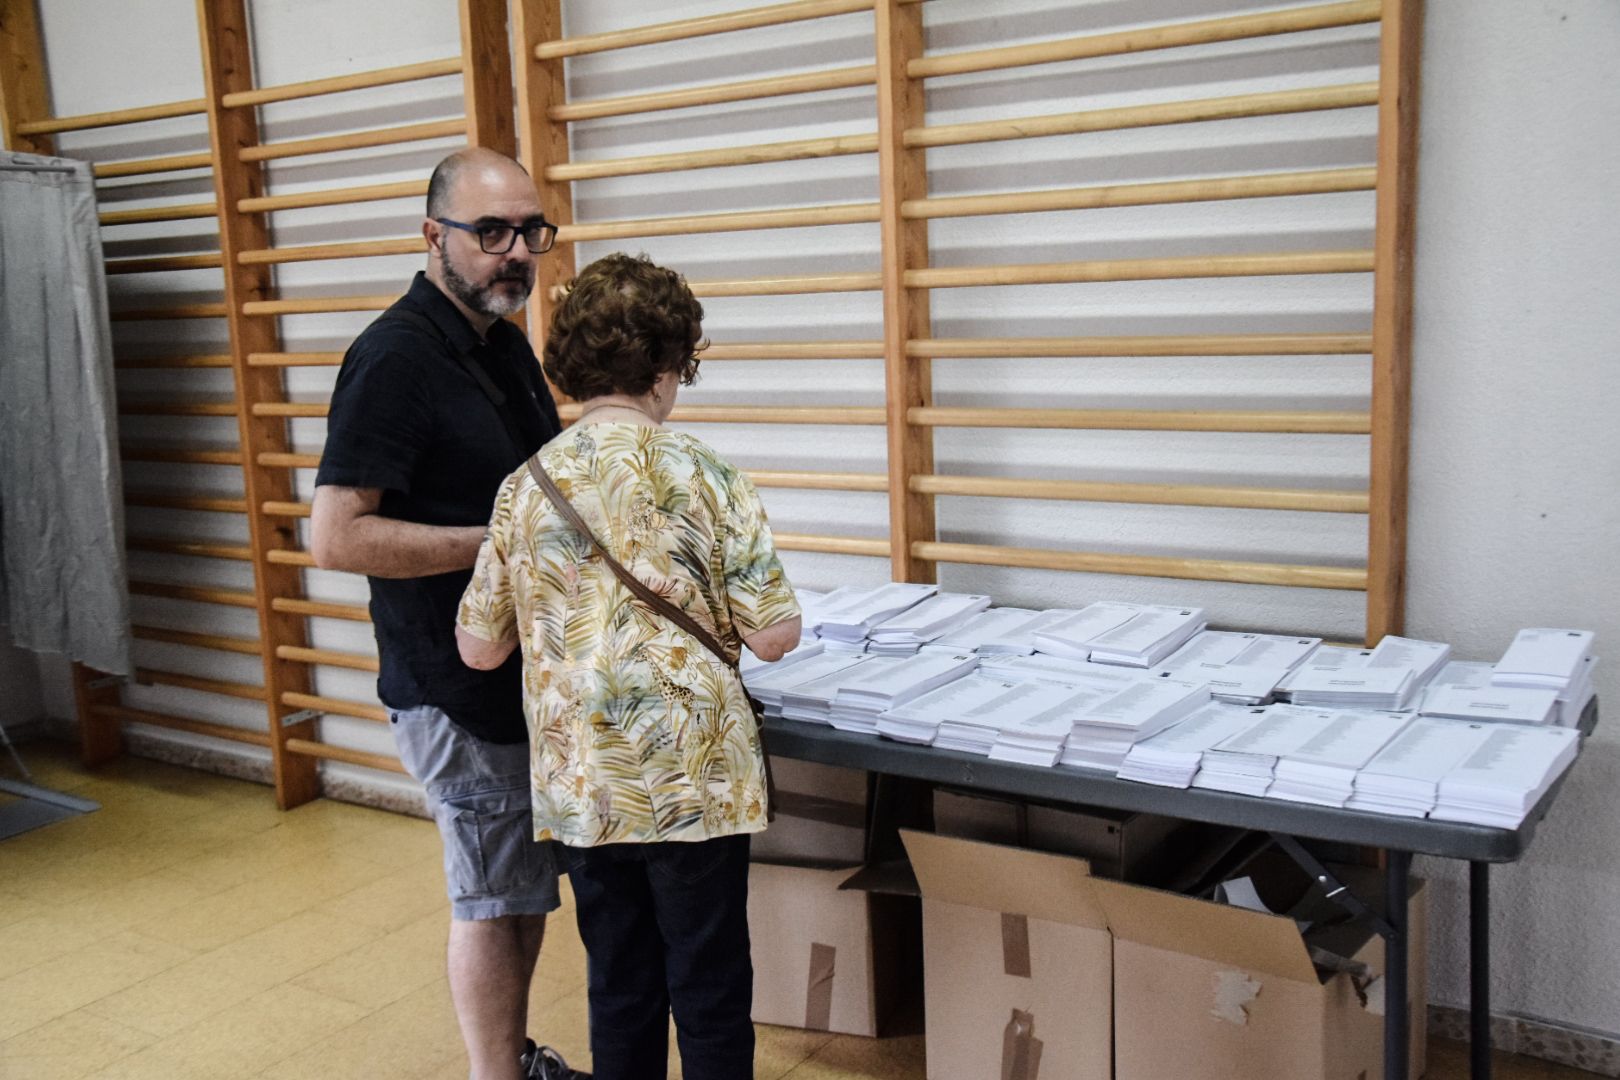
[62,573]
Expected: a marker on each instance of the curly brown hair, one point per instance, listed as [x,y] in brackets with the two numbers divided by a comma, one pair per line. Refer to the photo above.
[624,323]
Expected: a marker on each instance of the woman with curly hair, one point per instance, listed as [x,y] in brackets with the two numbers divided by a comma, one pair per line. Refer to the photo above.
[646,758]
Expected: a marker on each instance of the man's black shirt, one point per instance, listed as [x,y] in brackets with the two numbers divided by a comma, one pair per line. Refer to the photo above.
[409,417]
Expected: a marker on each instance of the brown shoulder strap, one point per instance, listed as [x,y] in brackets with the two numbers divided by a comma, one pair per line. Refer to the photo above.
[636,586]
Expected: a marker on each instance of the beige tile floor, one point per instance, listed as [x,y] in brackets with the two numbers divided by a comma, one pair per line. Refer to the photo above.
[190,931]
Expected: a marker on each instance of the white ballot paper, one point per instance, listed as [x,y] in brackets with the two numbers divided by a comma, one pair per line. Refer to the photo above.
[1072,637]
[1210,647]
[1323,770]
[1544,658]
[1404,778]
[918,720]
[886,683]
[1509,704]
[1459,674]
[974,730]
[855,617]
[1244,762]
[1057,669]
[1034,740]
[812,701]
[1236,684]
[929,619]
[1153,634]
[1172,757]
[1101,734]
[1357,688]
[768,684]
[1326,658]
[1021,639]
[1572,700]
[1277,650]
[750,664]
[1499,783]
[982,627]
[1422,658]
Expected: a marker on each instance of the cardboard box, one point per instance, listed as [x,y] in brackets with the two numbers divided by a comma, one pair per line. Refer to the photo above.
[828,958]
[1033,963]
[1017,963]
[1239,989]
[821,815]
[1116,843]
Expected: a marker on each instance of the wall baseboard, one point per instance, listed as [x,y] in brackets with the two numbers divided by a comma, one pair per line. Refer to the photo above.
[1595,1052]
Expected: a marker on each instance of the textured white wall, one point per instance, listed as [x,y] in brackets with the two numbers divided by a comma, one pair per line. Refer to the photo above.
[1513,452]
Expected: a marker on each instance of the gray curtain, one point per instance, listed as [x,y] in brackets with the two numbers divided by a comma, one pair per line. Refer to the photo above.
[62,572]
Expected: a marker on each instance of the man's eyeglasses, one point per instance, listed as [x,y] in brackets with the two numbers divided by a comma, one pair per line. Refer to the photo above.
[497,238]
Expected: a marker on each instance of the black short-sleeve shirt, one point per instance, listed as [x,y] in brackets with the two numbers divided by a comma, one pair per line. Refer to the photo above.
[410,417]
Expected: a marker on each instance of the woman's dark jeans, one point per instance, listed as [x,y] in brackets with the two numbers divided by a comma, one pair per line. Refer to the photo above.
[665,927]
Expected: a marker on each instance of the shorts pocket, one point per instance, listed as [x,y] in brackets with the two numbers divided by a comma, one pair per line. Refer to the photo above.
[490,851]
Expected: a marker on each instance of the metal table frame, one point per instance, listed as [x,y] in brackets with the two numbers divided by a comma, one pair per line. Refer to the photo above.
[1400,839]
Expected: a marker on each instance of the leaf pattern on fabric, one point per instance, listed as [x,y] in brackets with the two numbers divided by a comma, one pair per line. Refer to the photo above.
[636,733]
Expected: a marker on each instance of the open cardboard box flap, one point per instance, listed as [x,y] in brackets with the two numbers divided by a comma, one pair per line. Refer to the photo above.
[1242,939]
[1014,881]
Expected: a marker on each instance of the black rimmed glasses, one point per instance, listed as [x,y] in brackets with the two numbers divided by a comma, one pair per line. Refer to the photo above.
[497,237]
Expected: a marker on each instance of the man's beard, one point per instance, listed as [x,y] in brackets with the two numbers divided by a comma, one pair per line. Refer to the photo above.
[483,298]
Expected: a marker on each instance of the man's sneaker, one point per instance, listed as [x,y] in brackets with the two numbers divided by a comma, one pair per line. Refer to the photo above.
[544,1063]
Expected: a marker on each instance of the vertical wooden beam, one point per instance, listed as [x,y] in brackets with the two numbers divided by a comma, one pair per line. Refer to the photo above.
[902,175]
[227,68]
[543,142]
[486,75]
[24,95]
[1401,42]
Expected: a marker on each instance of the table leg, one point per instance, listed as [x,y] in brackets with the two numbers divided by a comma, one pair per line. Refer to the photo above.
[1479,970]
[1397,1012]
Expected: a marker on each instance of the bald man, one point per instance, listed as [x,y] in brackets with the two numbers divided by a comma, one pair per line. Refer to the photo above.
[436,402]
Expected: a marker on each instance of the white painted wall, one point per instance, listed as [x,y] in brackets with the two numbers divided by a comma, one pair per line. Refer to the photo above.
[1513,456]
[1516,455]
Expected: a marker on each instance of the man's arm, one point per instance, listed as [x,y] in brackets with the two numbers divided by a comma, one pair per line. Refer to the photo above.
[347,533]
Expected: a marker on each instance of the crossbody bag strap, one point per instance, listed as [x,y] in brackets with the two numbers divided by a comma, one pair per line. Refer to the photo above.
[636,586]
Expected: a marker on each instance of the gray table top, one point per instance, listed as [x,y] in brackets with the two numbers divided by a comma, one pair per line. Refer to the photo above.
[1088,787]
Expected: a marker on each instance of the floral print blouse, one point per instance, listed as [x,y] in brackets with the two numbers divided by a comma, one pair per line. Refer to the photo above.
[637,733]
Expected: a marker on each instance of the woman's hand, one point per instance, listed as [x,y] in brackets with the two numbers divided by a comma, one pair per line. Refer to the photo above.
[773,642]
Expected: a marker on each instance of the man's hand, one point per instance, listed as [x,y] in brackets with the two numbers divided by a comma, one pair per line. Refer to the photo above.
[347,533]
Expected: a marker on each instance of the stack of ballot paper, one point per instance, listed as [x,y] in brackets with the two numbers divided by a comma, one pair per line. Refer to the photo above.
[1244,763]
[1102,733]
[930,619]
[1246,650]
[811,700]
[974,730]
[1544,659]
[1172,757]
[1509,704]
[1235,684]
[769,683]
[887,682]
[1150,636]
[1034,740]
[750,665]
[852,619]
[918,720]
[1458,675]
[1324,658]
[1405,777]
[1021,638]
[982,627]
[1057,669]
[1323,770]
[1501,781]
[1072,637]
[1549,659]
[1573,700]
[1391,676]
